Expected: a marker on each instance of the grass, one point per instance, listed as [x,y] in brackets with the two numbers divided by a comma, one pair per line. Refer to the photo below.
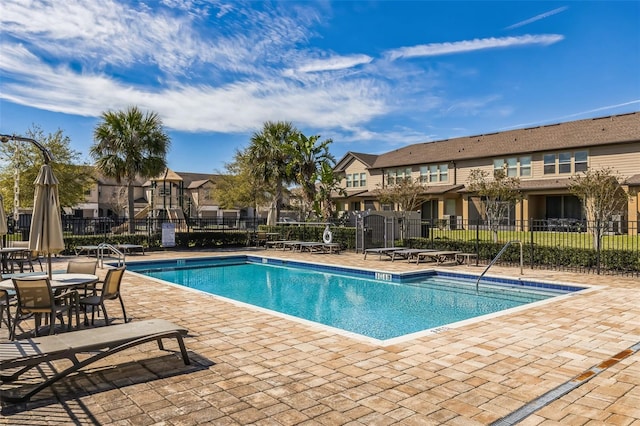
[543,238]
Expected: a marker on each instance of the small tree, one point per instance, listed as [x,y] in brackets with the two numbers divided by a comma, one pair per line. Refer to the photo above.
[498,195]
[407,194]
[602,197]
[240,186]
[117,201]
[74,174]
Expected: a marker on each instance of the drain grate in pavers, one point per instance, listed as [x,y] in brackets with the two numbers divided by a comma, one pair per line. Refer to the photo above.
[547,398]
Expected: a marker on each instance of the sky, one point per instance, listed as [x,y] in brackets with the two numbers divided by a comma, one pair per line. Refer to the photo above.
[372,76]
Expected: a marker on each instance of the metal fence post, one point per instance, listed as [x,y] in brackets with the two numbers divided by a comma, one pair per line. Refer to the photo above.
[531,239]
[477,239]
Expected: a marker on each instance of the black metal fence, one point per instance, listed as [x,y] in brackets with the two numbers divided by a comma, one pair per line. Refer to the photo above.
[561,244]
[551,243]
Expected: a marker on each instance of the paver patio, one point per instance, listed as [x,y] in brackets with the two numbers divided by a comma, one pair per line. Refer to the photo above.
[251,367]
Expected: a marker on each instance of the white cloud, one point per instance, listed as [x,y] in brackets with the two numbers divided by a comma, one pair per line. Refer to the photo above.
[334,63]
[575,115]
[215,67]
[537,18]
[437,49]
[235,107]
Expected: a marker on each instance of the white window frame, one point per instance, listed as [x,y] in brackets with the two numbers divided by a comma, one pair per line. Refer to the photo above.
[424,174]
[444,173]
[549,164]
[577,164]
[564,163]
[525,166]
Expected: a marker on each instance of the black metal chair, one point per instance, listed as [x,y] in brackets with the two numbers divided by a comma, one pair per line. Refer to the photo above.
[35,297]
[109,289]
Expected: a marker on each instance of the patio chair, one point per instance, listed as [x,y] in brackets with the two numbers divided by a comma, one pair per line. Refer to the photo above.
[35,297]
[25,258]
[83,267]
[260,239]
[109,289]
[19,357]
[7,300]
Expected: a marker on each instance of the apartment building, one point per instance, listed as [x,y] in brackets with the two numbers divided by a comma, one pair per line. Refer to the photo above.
[543,158]
[174,195]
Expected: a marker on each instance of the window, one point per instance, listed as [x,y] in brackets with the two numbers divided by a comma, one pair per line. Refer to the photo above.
[567,162]
[355,180]
[580,161]
[549,164]
[349,185]
[564,162]
[164,192]
[512,167]
[391,177]
[363,179]
[444,173]
[395,176]
[433,173]
[424,174]
[525,166]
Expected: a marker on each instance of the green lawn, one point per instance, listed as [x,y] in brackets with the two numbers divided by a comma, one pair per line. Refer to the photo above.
[543,238]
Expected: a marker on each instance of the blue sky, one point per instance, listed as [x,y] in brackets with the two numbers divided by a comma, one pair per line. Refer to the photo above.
[371,75]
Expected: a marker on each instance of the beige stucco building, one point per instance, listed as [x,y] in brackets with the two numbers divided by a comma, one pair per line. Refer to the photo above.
[543,158]
[174,195]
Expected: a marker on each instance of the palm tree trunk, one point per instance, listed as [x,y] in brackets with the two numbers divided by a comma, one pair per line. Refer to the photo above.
[132,225]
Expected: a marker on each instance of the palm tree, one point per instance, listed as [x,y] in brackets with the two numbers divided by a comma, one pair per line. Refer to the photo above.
[328,187]
[130,144]
[270,156]
[308,155]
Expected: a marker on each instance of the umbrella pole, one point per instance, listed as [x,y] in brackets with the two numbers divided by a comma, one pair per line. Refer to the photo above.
[49,265]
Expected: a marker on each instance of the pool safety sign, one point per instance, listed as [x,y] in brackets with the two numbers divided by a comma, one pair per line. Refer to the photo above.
[168,234]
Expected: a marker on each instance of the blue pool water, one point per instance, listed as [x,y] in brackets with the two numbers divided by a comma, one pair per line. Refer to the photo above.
[354,300]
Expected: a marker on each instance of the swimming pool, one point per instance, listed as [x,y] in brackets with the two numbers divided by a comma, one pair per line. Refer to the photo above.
[378,305]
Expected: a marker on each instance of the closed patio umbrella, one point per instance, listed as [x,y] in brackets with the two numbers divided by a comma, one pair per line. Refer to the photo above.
[45,235]
[3,222]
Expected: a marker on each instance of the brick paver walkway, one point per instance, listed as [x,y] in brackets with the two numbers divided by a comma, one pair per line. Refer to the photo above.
[251,367]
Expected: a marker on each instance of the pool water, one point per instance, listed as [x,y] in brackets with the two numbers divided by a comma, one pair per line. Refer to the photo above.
[379,309]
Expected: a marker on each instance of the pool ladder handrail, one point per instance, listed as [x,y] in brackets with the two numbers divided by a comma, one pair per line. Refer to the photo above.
[495,259]
[110,248]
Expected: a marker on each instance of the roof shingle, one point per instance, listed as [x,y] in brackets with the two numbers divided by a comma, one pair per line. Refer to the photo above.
[623,128]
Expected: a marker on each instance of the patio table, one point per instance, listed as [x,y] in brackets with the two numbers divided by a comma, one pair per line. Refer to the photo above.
[5,252]
[59,281]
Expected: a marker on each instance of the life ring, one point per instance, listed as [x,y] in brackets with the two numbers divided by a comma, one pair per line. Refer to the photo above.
[327,236]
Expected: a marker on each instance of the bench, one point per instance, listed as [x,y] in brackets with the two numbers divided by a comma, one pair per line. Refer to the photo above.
[96,343]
